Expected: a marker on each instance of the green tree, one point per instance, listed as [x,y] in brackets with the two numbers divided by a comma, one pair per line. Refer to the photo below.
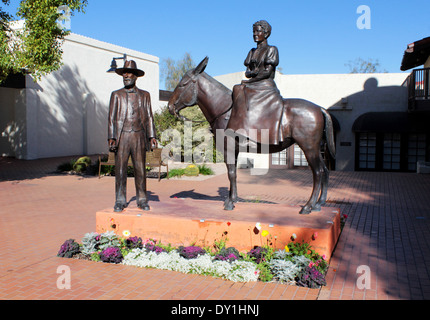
[360,65]
[36,48]
[172,71]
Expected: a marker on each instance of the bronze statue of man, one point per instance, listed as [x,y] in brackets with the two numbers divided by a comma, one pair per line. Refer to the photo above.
[131,132]
[257,102]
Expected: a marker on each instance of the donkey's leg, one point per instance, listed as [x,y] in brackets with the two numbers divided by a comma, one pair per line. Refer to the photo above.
[232,196]
[230,158]
[324,187]
[314,160]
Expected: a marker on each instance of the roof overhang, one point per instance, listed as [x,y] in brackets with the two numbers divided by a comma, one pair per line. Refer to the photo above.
[416,54]
[394,122]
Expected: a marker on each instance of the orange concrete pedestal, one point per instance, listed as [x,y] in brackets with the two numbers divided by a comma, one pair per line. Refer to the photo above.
[201,222]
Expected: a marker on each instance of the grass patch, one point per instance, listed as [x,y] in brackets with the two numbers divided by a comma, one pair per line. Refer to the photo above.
[176,173]
[179,172]
[204,170]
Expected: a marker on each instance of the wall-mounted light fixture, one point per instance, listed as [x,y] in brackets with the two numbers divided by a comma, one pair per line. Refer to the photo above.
[113,64]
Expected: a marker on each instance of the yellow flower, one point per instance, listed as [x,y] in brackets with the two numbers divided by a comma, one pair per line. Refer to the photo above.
[126,233]
[287,249]
[264,233]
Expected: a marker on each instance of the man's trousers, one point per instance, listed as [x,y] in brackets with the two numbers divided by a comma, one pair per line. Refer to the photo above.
[131,144]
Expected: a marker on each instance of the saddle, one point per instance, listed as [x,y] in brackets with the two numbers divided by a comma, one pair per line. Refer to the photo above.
[258,113]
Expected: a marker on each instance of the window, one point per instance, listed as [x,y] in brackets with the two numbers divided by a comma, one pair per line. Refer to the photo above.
[390,151]
[280,158]
[299,157]
[367,150]
[391,154]
[416,150]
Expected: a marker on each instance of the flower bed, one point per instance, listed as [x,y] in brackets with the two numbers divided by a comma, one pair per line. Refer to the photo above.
[297,264]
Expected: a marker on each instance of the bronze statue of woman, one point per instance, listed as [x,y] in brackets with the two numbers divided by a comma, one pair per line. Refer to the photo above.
[257,102]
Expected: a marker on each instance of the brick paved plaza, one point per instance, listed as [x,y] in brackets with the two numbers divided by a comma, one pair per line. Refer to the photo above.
[387,230]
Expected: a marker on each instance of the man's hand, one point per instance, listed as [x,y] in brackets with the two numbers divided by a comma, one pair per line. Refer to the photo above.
[112,145]
[154,144]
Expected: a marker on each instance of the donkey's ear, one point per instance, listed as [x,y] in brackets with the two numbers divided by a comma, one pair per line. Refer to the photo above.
[201,67]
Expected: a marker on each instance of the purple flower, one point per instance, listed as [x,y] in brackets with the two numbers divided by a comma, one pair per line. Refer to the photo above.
[111,255]
[151,246]
[311,278]
[228,254]
[68,249]
[190,252]
[257,254]
[134,242]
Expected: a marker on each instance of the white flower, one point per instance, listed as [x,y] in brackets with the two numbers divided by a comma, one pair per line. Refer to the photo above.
[126,233]
[258,226]
[239,271]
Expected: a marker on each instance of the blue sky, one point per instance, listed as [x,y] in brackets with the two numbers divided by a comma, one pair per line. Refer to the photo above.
[312,36]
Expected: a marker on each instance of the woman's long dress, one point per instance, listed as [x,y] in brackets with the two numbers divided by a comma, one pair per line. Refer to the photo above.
[258,105]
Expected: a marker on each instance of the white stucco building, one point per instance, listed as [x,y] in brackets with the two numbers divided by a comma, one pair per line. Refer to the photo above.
[66,112]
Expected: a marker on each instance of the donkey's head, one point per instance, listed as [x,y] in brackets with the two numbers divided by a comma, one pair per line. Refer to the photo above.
[185,93]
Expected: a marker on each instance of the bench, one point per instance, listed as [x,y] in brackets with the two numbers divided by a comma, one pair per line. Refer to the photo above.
[153,160]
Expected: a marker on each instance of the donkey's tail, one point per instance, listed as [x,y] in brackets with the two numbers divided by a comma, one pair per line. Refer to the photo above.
[329,135]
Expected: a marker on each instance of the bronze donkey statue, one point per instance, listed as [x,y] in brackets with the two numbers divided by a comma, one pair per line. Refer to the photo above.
[309,125]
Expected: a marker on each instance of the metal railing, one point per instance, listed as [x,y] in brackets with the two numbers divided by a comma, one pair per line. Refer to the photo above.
[418,84]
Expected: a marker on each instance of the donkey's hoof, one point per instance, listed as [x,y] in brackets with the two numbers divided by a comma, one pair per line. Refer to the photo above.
[316,207]
[229,205]
[305,211]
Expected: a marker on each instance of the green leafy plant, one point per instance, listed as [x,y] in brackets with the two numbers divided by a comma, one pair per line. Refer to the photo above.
[304,249]
[286,268]
[36,47]
[205,170]
[167,247]
[265,274]
[191,170]
[163,120]
[108,239]
[298,249]
[176,173]
[90,243]
[220,243]
[82,164]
